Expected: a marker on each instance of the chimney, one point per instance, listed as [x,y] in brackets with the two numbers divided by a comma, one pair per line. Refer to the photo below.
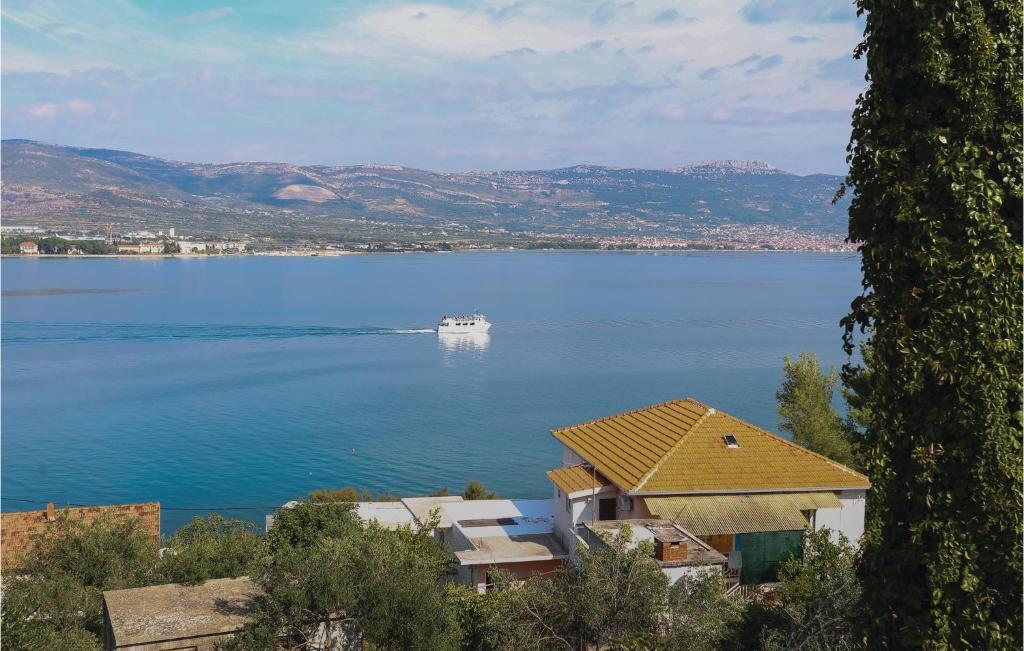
[671,551]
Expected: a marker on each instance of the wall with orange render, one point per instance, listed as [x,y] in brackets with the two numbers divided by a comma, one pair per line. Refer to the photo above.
[520,570]
[18,528]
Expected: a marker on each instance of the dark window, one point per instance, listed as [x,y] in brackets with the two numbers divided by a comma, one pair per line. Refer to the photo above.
[606,509]
[730,441]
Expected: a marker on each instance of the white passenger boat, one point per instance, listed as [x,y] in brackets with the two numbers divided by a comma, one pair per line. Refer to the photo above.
[463,324]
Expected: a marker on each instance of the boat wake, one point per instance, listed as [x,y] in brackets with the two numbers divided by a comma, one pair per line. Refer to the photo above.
[27,332]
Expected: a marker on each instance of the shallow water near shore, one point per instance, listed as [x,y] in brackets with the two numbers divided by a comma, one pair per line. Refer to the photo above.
[248,381]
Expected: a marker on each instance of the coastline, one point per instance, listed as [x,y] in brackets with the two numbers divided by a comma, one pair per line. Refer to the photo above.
[338,254]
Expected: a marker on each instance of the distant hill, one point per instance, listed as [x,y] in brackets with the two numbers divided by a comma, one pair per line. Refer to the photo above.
[52,185]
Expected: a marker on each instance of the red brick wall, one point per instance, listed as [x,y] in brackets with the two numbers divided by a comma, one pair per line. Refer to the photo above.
[669,552]
[18,528]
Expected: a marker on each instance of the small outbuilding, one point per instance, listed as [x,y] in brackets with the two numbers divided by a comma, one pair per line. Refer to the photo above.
[172,616]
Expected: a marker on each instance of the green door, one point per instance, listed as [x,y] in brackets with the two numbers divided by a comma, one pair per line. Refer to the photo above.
[762,553]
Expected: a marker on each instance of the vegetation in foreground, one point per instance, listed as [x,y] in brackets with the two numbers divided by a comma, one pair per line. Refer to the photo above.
[936,180]
[321,564]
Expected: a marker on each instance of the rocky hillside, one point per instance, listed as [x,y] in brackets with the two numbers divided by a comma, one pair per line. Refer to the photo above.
[53,185]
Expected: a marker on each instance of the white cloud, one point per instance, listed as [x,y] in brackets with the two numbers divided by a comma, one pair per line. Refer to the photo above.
[494,71]
[466,33]
[44,111]
[80,107]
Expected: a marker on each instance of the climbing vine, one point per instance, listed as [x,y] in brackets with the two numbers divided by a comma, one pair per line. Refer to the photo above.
[935,176]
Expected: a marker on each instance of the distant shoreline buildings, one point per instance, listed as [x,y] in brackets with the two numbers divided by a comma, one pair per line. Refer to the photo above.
[34,240]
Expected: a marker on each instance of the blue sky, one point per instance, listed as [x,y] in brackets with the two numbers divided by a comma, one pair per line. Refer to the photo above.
[509,84]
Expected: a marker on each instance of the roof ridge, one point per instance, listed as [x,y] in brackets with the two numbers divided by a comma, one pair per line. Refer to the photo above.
[633,411]
[799,447]
[709,411]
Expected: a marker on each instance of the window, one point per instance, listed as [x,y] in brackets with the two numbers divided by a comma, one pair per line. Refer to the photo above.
[568,505]
[730,441]
[606,509]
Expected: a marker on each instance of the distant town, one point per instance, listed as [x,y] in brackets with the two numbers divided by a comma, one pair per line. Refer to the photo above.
[31,240]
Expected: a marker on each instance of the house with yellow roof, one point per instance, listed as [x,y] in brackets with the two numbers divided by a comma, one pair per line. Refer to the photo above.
[747,493]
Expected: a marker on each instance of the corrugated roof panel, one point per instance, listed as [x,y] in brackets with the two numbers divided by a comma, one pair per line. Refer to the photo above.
[710,515]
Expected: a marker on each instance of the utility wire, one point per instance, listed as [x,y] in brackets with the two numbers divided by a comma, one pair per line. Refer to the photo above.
[162,507]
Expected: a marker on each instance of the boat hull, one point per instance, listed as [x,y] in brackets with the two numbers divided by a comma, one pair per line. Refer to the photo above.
[463,330]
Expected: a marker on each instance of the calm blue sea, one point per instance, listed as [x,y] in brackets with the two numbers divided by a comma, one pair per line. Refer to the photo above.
[246,382]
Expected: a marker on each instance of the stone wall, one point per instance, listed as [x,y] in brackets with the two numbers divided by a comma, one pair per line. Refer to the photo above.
[18,528]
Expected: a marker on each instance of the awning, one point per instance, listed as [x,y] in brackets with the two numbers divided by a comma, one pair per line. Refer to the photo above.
[710,515]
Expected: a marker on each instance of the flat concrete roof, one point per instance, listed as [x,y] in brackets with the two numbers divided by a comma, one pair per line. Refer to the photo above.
[513,549]
[505,531]
[170,612]
[479,518]
[422,506]
[390,515]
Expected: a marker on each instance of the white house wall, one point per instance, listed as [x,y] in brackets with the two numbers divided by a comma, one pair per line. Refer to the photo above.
[848,520]
[689,571]
[566,519]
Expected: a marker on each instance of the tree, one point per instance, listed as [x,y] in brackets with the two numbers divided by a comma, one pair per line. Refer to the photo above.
[212,548]
[935,172]
[806,411]
[476,491]
[394,576]
[613,595]
[819,597]
[304,593]
[327,575]
[510,615]
[56,597]
[305,524]
[700,615]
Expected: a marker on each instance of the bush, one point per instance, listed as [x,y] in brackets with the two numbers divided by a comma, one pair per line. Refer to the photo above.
[55,600]
[212,548]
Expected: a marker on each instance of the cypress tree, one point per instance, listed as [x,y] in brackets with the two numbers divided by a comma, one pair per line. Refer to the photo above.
[935,174]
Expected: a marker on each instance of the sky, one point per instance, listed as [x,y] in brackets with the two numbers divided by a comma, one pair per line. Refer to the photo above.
[504,84]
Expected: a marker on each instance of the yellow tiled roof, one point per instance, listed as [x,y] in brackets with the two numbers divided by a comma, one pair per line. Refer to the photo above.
[577,478]
[712,515]
[678,447]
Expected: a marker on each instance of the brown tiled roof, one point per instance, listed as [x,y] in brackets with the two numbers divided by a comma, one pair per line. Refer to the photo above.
[679,447]
[577,478]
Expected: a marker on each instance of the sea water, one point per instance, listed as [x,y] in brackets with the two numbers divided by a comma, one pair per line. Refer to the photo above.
[238,383]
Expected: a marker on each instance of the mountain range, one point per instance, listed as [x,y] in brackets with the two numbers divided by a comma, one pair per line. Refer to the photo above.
[58,186]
